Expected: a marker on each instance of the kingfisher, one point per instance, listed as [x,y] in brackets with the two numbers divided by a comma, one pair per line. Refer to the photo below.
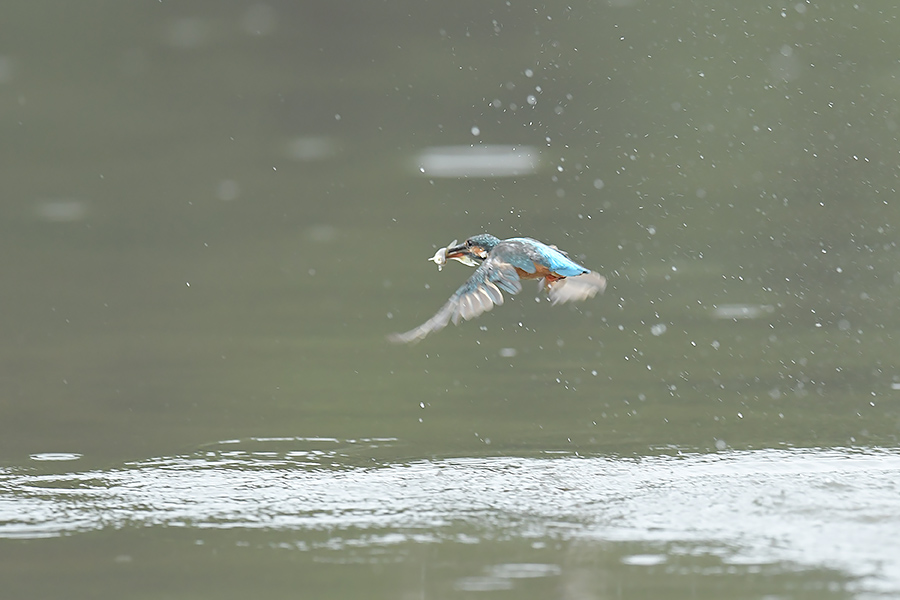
[501,267]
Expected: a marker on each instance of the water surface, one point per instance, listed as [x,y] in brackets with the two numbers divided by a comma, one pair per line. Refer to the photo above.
[824,516]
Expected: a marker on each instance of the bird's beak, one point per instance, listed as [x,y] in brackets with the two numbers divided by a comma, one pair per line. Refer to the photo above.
[464,254]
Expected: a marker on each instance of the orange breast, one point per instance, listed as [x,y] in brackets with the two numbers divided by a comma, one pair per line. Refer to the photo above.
[540,272]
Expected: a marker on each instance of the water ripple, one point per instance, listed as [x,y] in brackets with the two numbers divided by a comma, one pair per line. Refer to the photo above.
[834,508]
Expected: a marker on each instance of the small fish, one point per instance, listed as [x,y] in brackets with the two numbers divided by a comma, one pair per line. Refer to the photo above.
[440,257]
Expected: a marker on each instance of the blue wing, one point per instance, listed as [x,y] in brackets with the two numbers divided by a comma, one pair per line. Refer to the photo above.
[554,259]
[476,296]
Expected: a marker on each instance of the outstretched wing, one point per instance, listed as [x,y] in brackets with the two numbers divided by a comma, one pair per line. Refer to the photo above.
[476,296]
[580,287]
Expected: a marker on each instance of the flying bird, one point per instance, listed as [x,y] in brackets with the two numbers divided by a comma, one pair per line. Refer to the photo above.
[501,267]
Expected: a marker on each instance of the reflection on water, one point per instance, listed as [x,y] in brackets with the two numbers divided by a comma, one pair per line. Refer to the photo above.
[833,508]
[502,577]
[55,456]
[311,148]
[742,311]
[61,210]
[478,161]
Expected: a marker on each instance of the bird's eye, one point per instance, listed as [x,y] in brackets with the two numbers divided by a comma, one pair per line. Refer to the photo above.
[468,243]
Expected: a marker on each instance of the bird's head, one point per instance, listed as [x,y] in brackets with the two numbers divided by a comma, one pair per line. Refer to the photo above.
[473,250]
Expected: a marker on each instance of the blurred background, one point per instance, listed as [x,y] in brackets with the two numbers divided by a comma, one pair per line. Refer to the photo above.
[214,212]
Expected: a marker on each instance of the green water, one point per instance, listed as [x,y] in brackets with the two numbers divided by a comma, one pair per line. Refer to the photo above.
[213,213]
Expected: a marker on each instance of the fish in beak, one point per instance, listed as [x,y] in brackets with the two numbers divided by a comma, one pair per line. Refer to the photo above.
[462,253]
